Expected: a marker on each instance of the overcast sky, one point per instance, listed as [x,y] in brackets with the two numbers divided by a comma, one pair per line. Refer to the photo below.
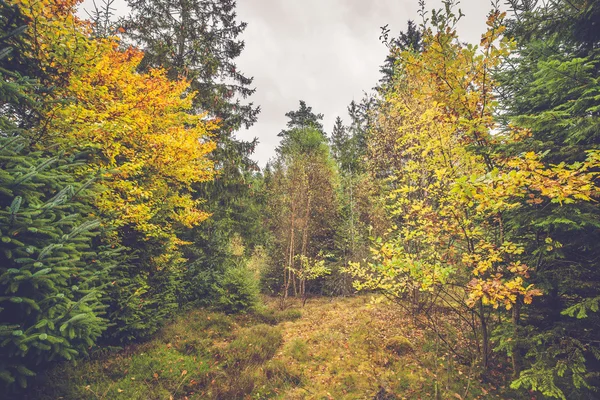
[326,52]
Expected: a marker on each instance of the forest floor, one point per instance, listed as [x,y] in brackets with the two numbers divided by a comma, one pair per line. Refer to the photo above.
[343,348]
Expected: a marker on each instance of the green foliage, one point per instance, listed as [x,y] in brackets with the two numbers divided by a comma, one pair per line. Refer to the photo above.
[237,206]
[237,291]
[50,276]
[181,37]
[558,368]
[550,86]
[137,304]
[208,62]
[302,119]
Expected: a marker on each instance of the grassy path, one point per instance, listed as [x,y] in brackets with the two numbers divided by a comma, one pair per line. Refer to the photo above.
[344,348]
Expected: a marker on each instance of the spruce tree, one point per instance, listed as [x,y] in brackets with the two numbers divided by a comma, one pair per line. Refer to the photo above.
[411,39]
[550,85]
[339,141]
[302,118]
[51,277]
[199,40]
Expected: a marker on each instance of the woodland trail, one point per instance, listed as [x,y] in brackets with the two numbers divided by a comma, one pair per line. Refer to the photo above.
[340,348]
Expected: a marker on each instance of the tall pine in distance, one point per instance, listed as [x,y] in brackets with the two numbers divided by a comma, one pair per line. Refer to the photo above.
[339,140]
[302,118]
[200,41]
[411,39]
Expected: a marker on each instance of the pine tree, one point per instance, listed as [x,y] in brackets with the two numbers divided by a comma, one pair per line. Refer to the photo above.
[339,140]
[550,85]
[412,40]
[51,277]
[361,123]
[302,118]
[197,39]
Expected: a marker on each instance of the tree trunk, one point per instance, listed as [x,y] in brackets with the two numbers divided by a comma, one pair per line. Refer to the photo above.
[485,341]
[287,271]
[516,351]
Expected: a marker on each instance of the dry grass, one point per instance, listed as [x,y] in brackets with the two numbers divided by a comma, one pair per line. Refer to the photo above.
[345,348]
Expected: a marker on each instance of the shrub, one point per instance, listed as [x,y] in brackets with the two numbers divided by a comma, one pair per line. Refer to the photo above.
[49,303]
[237,291]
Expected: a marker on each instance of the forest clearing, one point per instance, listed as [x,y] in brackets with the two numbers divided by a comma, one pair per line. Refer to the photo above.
[435,238]
[333,348]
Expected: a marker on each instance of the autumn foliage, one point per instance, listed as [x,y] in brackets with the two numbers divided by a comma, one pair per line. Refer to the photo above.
[133,134]
[464,190]
[451,190]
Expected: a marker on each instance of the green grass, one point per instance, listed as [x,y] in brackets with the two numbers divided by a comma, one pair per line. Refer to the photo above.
[253,346]
[341,349]
[274,316]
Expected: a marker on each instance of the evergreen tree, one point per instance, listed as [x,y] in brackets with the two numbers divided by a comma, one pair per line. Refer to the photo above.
[302,204]
[197,39]
[411,39]
[339,140]
[361,123]
[551,87]
[51,277]
[303,118]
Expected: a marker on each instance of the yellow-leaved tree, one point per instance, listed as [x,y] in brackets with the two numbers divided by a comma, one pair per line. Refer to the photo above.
[449,188]
[136,132]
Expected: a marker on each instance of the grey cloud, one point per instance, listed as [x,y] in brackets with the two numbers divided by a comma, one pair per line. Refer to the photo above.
[326,52]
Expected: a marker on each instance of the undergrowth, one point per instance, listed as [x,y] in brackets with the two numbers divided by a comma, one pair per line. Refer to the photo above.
[331,349]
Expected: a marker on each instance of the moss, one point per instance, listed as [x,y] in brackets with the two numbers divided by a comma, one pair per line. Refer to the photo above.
[298,349]
[345,349]
[399,345]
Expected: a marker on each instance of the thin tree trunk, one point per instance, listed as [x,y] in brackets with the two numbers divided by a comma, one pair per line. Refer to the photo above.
[305,239]
[485,345]
[287,271]
[516,351]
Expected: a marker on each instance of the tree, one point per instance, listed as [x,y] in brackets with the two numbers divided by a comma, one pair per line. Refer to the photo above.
[51,276]
[411,40]
[549,85]
[339,140]
[303,118]
[197,40]
[450,194]
[302,200]
[135,131]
